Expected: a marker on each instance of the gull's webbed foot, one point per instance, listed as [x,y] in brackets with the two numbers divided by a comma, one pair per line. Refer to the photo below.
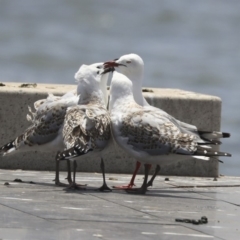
[141,190]
[124,187]
[76,186]
[104,188]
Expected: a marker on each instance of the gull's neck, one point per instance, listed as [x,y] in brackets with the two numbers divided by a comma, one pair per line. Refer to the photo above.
[103,86]
[137,93]
[88,94]
[137,79]
[96,98]
[97,94]
[121,92]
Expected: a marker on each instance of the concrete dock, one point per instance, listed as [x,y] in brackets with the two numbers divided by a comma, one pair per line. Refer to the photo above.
[36,209]
[203,111]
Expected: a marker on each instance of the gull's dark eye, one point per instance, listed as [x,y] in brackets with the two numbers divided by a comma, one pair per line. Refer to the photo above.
[98,67]
[128,61]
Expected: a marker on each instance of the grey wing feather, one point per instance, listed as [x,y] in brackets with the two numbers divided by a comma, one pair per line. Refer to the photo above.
[156,134]
[182,126]
[46,125]
[41,103]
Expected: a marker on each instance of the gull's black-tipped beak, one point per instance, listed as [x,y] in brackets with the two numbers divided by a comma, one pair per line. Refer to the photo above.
[112,64]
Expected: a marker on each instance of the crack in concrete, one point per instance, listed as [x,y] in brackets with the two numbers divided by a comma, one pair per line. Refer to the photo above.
[22,211]
[202,186]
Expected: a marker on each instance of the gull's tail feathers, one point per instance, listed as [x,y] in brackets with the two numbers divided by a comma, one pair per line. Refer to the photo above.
[204,158]
[210,153]
[209,142]
[205,152]
[213,137]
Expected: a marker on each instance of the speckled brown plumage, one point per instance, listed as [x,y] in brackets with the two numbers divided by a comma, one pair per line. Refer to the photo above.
[45,126]
[86,125]
[137,126]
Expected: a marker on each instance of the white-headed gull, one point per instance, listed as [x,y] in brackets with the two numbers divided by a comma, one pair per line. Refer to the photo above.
[45,132]
[147,133]
[86,128]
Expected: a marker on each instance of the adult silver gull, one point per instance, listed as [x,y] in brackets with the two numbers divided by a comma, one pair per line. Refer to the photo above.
[168,135]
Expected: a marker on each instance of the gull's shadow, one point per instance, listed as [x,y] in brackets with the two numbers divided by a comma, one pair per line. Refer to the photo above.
[174,194]
[163,193]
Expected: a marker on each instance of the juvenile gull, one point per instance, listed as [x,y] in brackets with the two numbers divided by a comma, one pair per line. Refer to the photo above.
[41,106]
[45,132]
[148,133]
[86,128]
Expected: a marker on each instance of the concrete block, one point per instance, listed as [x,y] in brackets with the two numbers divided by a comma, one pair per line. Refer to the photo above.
[204,111]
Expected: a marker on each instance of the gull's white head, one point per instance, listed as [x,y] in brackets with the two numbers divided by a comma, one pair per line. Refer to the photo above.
[131,65]
[88,74]
[95,70]
[88,78]
[92,78]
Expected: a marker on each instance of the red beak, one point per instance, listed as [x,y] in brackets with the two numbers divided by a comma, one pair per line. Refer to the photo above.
[112,64]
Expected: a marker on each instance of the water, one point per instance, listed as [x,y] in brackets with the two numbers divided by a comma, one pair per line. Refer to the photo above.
[191,45]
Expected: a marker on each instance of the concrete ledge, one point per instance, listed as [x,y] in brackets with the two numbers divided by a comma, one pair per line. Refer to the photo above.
[204,111]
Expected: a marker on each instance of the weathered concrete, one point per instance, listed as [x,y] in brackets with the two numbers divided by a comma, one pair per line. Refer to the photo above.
[43,211]
[204,111]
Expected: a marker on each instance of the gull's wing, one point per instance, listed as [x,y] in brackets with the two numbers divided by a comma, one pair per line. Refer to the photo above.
[49,119]
[152,132]
[42,103]
[86,125]
[46,125]
[50,98]
[204,137]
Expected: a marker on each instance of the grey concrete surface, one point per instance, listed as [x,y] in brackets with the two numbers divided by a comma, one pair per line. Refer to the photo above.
[44,211]
[204,111]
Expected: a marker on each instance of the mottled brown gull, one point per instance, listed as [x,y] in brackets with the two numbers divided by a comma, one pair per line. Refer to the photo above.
[86,128]
[45,132]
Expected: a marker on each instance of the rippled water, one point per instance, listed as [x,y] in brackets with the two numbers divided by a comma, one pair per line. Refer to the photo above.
[191,45]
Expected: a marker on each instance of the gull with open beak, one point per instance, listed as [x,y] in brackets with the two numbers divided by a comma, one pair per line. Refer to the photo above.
[188,139]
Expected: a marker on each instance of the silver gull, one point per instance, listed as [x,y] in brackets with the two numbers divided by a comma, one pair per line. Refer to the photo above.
[45,132]
[148,133]
[86,128]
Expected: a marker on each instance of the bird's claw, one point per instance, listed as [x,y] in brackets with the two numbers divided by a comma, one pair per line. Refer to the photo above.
[77,186]
[140,190]
[104,188]
[124,187]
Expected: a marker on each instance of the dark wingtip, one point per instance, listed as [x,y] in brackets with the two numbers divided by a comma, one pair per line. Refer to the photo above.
[7,147]
[73,152]
[226,135]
